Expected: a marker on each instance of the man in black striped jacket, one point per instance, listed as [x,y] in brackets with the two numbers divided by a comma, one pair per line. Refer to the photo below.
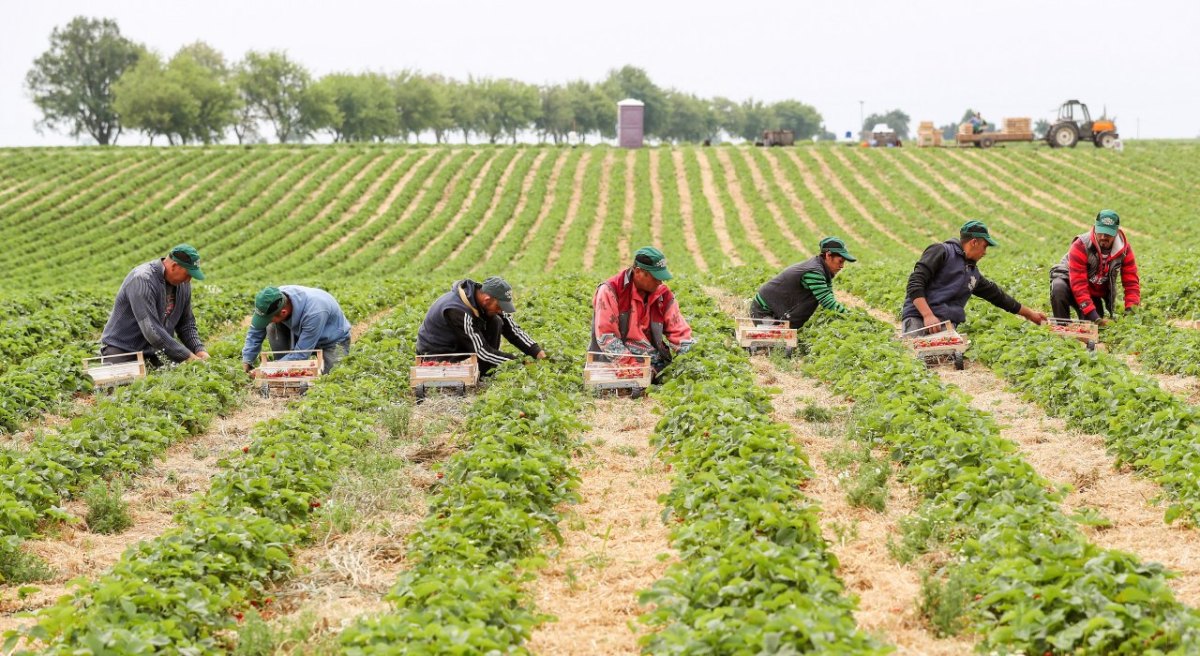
[471,318]
[154,305]
[796,293]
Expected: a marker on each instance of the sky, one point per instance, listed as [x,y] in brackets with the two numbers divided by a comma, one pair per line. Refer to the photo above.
[930,58]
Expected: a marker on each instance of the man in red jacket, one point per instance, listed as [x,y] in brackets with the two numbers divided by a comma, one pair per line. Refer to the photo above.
[634,313]
[1086,277]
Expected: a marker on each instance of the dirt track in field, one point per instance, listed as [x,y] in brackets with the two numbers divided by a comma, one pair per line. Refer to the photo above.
[624,252]
[685,211]
[601,218]
[560,237]
[789,191]
[543,211]
[814,188]
[612,538]
[472,193]
[656,200]
[745,214]
[708,188]
[760,188]
[497,196]
[526,185]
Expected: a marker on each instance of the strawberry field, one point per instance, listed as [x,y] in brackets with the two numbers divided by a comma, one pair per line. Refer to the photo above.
[845,500]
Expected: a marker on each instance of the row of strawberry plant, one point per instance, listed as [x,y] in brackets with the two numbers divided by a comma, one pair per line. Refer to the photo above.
[671,217]
[754,574]
[528,245]
[1146,427]
[782,245]
[67,318]
[496,504]
[724,205]
[532,169]
[574,236]
[183,591]
[75,192]
[605,255]
[1020,572]
[703,222]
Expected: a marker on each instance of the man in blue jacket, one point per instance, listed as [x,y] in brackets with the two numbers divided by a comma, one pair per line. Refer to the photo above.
[295,318]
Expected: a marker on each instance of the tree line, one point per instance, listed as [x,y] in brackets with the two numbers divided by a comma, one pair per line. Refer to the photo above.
[94,81]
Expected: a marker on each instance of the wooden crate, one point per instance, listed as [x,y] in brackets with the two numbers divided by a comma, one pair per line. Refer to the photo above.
[602,371]
[445,370]
[1017,125]
[113,370]
[933,348]
[1084,331]
[765,333]
[279,376]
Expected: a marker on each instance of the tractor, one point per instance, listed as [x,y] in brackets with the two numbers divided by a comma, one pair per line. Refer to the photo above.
[1075,124]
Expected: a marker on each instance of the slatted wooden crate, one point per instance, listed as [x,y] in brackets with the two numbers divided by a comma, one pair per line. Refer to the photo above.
[112,370]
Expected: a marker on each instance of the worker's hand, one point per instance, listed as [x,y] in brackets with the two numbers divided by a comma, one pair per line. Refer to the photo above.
[934,324]
[1104,321]
[1033,315]
[249,369]
[193,358]
[541,355]
[203,355]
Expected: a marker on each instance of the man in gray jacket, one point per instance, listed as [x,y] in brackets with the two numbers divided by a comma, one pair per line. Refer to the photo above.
[153,306]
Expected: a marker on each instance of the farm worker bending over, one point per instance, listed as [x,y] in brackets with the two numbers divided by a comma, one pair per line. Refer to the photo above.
[295,318]
[1086,277]
[946,277]
[153,305]
[471,318]
[635,313]
[795,293]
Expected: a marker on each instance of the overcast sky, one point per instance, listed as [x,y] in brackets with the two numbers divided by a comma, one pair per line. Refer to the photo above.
[931,59]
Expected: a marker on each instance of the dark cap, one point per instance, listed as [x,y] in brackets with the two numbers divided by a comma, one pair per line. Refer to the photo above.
[500,290]
[976,230]
[837,246]
[267,304]
[649,258]
[1107,223]
[187,257]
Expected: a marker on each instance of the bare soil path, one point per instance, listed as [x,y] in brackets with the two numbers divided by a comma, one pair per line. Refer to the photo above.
[656,199]
[745,214]
[624,251]
[560,237]
[497,196]
[612,539]
[708,187]
[472,193]
[526,185]
[982,189]
[601,218]
[685,211]
[810,183]
[386,205]
[451,186]
[859,207]
[760,187]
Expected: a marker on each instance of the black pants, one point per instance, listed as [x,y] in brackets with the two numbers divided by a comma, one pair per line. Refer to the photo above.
[1062,301]
[757,312]
[151,358]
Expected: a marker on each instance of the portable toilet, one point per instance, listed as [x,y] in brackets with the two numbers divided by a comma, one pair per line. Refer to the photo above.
[631,115]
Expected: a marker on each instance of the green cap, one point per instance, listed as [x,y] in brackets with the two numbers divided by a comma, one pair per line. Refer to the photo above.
[976,230]
[499,289]
[649,258]
[186,256]
[837,246]
[1107,223]
[267,303]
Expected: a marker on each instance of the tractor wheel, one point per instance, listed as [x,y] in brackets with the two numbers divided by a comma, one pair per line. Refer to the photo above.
[986,142]
[1064,136]
[636,392]
[1091,345]
[958,361]
[1105,139]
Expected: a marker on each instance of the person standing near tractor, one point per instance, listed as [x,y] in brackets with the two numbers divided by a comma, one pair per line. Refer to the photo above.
[471,318]
[295,318]
[153,306]
[1085,279]
[634,313]
[947,276]
[796,293]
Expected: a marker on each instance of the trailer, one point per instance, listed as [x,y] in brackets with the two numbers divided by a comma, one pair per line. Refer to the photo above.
[777,138]
[989,139]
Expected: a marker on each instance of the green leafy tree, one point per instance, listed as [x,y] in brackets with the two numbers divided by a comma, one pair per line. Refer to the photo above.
[71,83]
[794,115]
[895,119]
[202,71]
[152,100]
[756,117]
[275,88]
[467,110]
[730,116]
[690,118]
[633,82]
[421,103]
[557,118]
[365,105]
[594,111]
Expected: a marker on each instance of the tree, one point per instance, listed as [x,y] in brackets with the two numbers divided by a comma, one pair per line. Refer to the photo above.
[421,104]
[153,101]
[633,82]
[895,119]
[689,118]
[798,117]
[71,83]
[365,107]
[593,110]
[275,88]
[756,117]
[202,71]
[557,118]
[730,116]
[508,106]
[466,107]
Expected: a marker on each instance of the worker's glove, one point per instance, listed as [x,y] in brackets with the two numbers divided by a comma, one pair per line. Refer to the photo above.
[686,346]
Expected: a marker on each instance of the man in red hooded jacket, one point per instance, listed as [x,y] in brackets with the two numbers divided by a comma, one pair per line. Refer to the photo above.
[1086,277]
[634,313]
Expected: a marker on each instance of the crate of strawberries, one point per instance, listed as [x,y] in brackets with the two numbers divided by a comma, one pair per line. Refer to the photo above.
[753,333]
[445,369]
[1084,331]
[280,367]
[601,370]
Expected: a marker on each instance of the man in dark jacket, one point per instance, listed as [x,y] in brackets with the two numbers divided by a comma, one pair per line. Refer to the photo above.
[1086,277]
[471,318]
[154,305]
[798,290]
[946,277]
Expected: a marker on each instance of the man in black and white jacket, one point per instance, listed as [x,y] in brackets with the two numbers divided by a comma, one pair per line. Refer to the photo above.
[471,318]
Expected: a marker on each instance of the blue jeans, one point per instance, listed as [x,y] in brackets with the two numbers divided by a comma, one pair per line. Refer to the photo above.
[280,338]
